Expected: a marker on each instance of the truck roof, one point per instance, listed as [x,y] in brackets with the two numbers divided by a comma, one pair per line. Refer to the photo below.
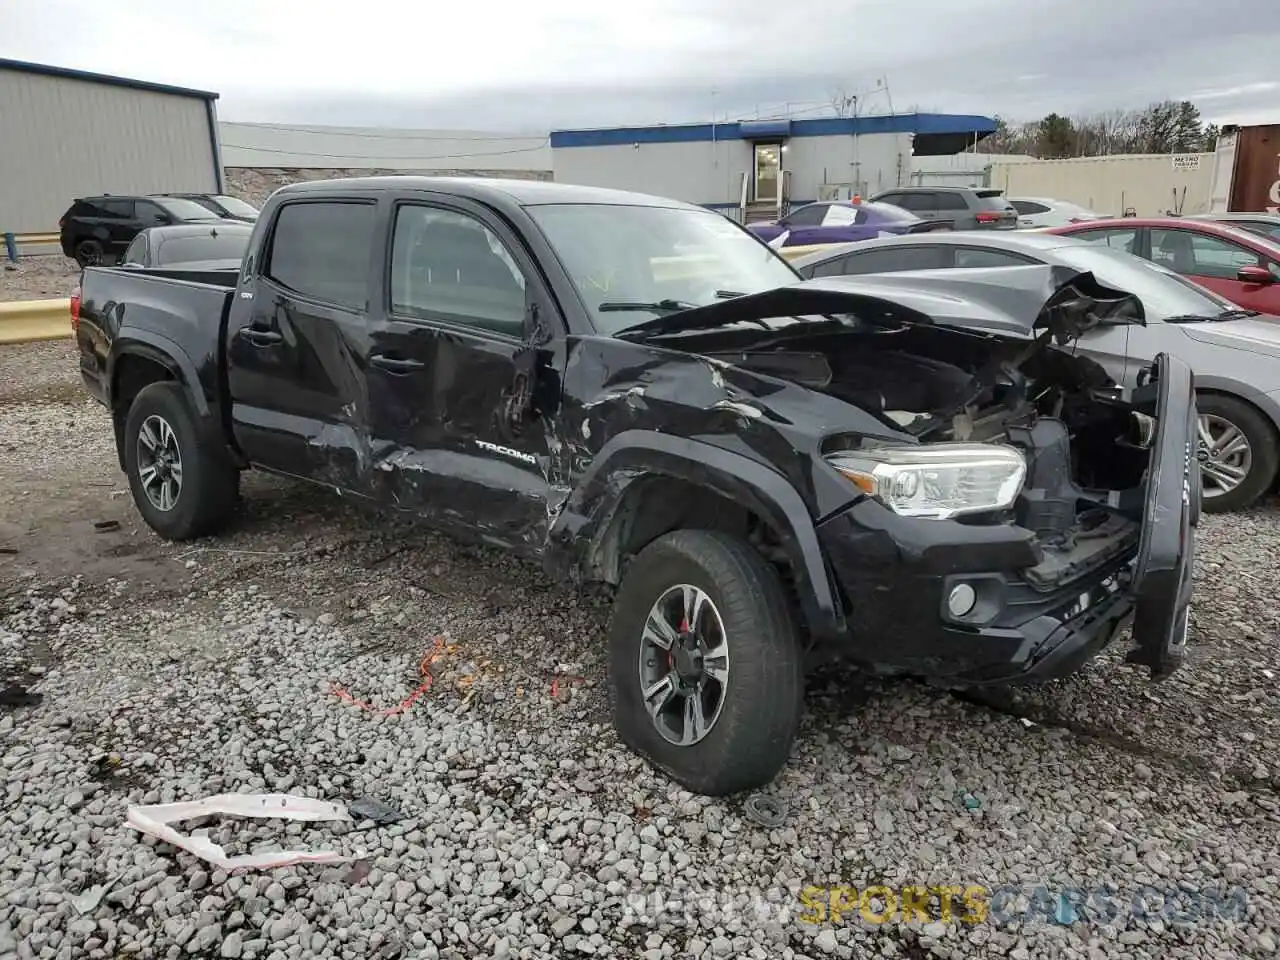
[491,190]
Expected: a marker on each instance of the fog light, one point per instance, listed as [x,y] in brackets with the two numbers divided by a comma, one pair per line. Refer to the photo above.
[961,600]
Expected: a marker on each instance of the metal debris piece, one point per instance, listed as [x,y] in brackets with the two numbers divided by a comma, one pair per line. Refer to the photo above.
[766,811]
[367,808]
[88,901]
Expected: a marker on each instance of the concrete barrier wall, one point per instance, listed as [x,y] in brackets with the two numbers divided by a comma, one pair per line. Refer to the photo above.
[25,321]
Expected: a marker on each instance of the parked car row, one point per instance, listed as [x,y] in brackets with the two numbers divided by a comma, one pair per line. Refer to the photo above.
[98,230]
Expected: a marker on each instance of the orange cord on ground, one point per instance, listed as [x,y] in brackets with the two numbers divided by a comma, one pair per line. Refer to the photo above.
[424,671]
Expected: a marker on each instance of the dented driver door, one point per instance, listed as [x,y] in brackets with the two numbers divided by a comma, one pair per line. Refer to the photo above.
[442,364]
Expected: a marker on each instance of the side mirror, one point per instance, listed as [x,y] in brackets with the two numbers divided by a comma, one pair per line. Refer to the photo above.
[1256,275]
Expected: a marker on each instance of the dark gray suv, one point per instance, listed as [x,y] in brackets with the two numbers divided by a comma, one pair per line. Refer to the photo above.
[968,208]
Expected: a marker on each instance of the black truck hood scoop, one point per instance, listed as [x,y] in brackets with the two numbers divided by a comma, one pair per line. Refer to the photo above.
[1018,302]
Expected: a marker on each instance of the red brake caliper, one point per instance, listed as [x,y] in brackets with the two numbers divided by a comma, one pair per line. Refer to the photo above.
[684,628]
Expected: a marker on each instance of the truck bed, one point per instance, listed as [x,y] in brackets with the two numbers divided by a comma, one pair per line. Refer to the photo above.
[185,311]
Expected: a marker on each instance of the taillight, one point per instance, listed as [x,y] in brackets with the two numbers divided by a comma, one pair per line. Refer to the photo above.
[986,216]
[62,221]
[75,309]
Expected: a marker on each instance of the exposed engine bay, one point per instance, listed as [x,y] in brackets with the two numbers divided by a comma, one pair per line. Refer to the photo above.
[1085,448]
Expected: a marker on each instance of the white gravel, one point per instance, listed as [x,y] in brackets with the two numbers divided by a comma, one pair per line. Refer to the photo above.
[529,830]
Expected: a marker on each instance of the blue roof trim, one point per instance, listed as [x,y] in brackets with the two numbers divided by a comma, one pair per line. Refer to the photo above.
[43,69]
[764,128]
[925,123]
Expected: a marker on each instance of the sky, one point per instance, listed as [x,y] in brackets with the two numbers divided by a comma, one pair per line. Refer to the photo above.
[516,66]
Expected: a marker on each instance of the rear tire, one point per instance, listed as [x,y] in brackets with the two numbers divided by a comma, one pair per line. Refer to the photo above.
[89,253]
[754,712]
[161,434]
[1261,459]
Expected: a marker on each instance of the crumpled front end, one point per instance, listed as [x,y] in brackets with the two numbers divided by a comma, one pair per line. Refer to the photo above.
[1101,533]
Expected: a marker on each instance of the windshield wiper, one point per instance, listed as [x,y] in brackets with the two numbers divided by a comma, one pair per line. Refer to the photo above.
[1212,317]
[729,294]
[657,306]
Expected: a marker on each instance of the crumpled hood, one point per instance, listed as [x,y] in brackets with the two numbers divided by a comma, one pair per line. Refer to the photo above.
[1015,302]
[1259,335]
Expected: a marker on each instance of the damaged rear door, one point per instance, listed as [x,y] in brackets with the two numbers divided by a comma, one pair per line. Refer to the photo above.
[296,343]
[443,360]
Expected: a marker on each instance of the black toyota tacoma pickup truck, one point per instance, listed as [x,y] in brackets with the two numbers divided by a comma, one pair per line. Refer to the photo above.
[911,472]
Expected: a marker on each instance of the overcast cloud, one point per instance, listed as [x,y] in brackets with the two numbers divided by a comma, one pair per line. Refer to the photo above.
[520,66]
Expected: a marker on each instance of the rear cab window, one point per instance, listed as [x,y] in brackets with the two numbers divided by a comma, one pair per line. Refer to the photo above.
[321,250]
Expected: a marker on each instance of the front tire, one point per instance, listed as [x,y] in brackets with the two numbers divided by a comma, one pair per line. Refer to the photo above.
[1238,453]
[181,483]
[705,673]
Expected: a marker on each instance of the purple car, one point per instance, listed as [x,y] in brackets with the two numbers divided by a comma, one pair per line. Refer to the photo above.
[841,221]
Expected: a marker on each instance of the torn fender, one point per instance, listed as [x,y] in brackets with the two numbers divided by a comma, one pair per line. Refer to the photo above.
[578,538]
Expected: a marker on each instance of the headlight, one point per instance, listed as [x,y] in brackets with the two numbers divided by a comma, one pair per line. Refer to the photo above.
[937,480]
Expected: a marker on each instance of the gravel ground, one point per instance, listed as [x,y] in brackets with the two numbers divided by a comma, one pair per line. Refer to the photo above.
[174,672]
[38,278]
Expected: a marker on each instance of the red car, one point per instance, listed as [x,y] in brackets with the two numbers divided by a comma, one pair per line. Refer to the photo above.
[1241,266]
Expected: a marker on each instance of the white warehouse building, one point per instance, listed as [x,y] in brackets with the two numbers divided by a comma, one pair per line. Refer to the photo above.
[68,134]
[750,169]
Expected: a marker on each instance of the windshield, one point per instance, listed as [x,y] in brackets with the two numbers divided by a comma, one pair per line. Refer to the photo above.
[1163,293]
[224,246]
[236,206]
[655,257]
[183,209]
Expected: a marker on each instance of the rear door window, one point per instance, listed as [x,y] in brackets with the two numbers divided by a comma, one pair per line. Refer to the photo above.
[1200,255]
[979,257]
[149,213]
[950,202]
[1028,208]
[1124,239]
[117,209]
[809,215]
[322,250]
[839,215]
[895,259]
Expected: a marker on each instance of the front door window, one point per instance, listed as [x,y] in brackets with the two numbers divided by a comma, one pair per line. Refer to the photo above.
[768,165]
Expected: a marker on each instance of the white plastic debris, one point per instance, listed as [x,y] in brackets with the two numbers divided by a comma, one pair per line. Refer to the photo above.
[156,820]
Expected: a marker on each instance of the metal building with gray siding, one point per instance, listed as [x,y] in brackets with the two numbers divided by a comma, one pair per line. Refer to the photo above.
[66,134]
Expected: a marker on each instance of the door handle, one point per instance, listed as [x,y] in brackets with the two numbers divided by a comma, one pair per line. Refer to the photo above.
[394,364]
[260,337]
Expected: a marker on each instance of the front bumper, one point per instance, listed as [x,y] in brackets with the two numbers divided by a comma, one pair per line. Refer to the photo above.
[896,575]
[897,586]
